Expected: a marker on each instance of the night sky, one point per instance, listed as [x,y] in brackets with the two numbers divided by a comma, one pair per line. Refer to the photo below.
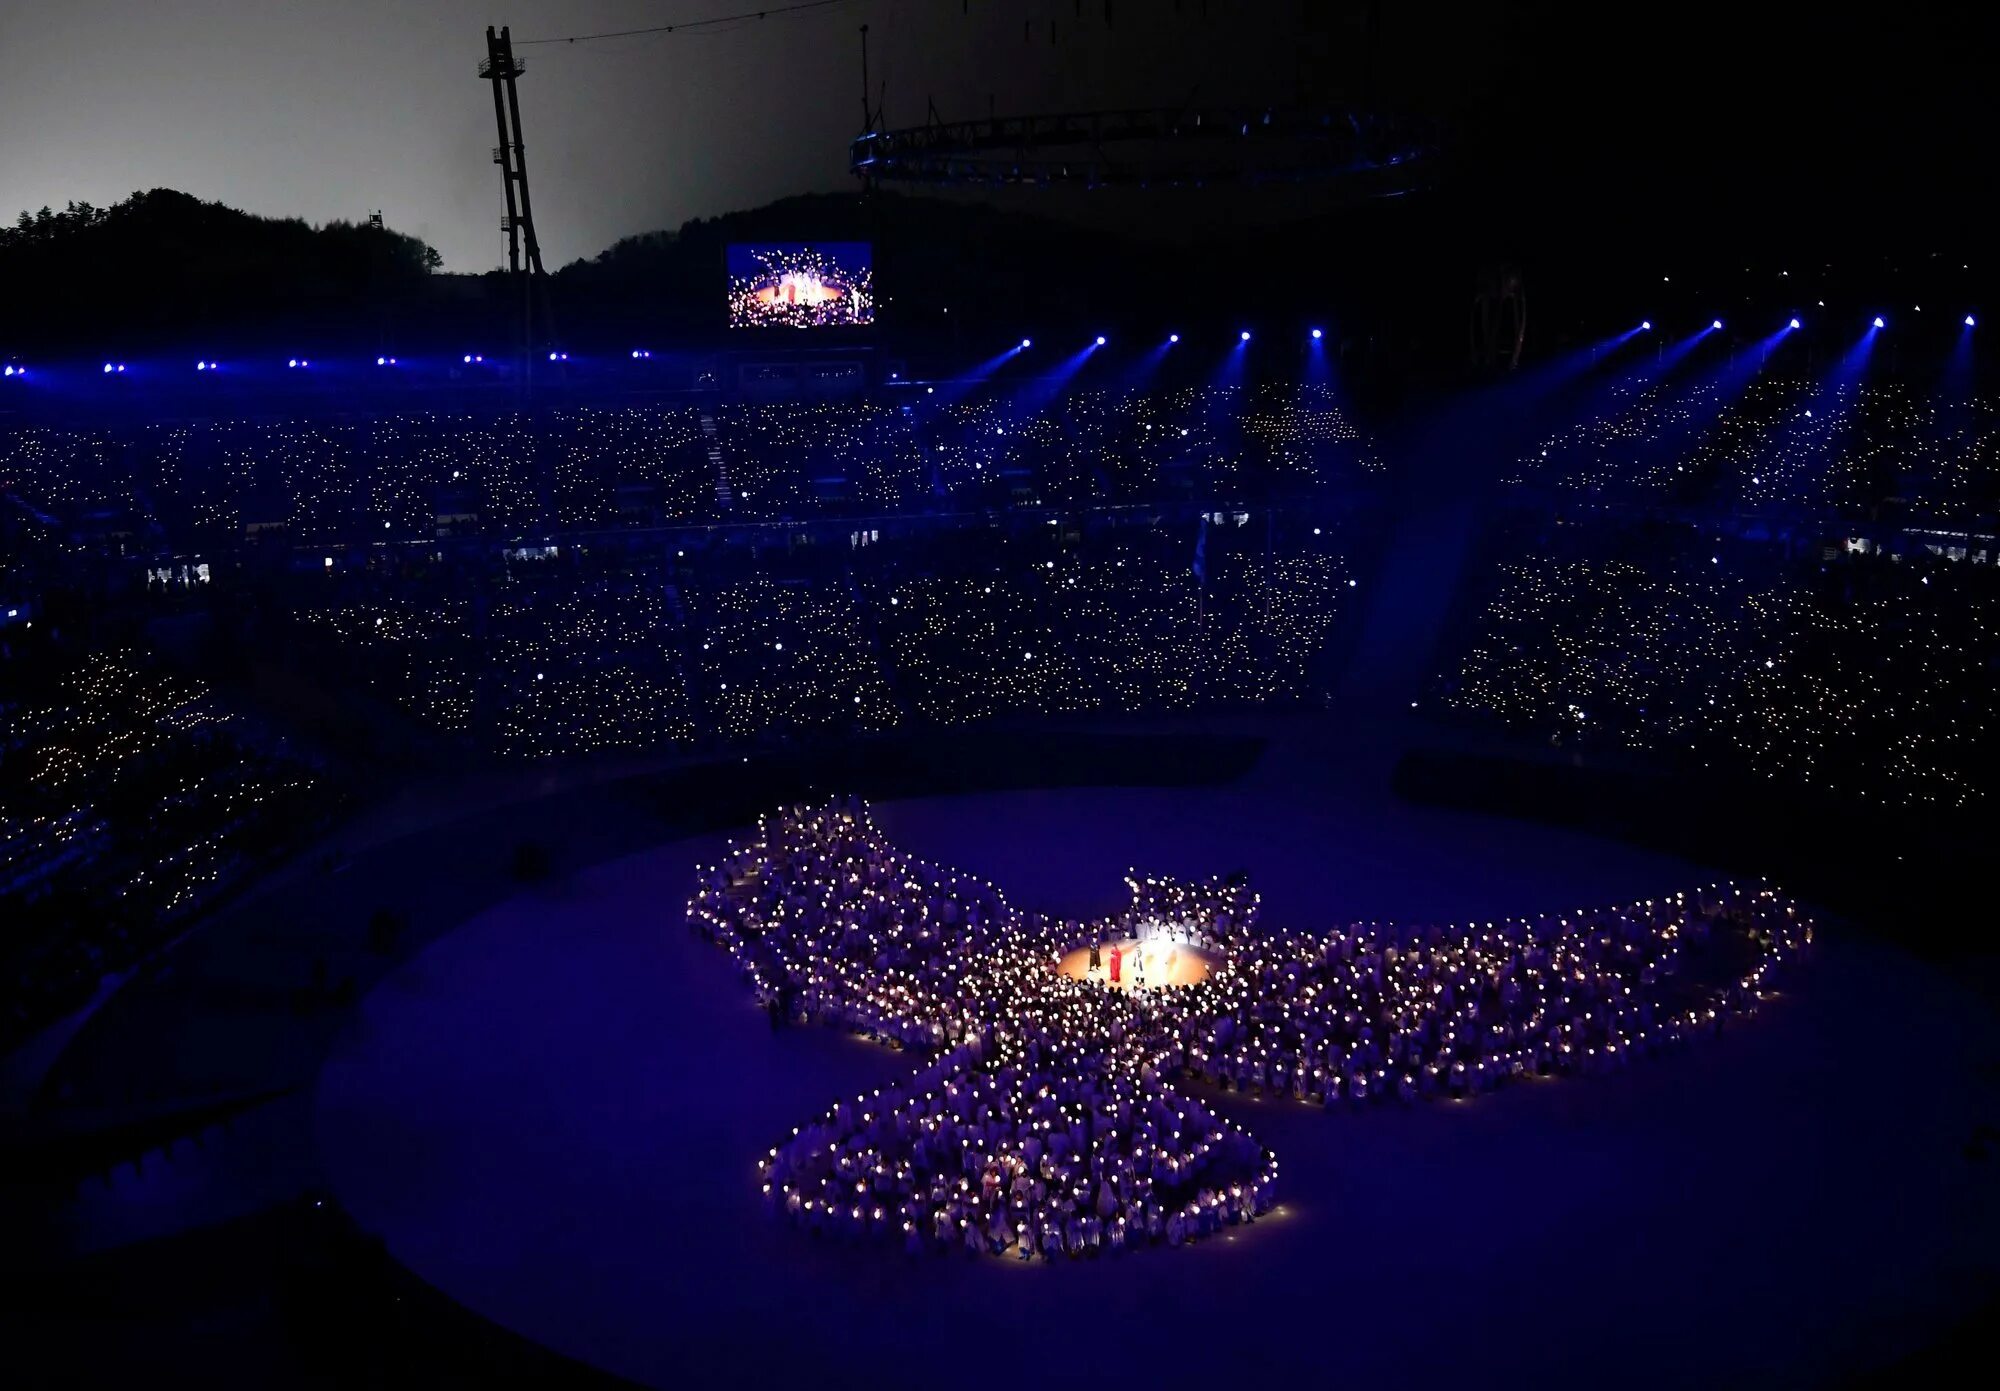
[323,110]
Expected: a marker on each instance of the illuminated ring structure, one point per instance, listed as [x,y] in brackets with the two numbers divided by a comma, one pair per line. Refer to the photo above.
[1373,154]
[1046,1119]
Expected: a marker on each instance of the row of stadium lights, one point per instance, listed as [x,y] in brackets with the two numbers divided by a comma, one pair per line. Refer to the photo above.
[642,354]
[1715,325]
[1243,337]
[473,359]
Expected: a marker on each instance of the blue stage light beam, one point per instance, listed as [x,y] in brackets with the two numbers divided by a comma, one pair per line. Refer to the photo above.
[1231,372]
[1318,368]
[1854,362]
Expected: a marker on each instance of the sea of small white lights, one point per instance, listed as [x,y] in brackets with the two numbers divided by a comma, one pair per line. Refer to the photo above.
[1781,444]
[1050,1116]
[1864,676]
[790,660]
[544,664]
[128,798]
[403,478]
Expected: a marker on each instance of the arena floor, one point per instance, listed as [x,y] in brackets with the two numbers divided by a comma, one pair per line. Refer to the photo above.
[552,1115]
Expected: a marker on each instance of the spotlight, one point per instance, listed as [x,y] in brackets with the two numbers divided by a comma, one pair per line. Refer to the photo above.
[467,358]
[108,367]
[1027,342]
[13,371]
[291,362]
[1243,337]
[1317,335]
[642,352]
[1173,338]
[1794,323]
[1878,321]
[1715,324]
[201,366]
[381,362]
[1645,325]
[1969,321]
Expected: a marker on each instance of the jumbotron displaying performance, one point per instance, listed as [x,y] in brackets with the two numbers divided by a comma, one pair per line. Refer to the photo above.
[1185,795]
[801,286]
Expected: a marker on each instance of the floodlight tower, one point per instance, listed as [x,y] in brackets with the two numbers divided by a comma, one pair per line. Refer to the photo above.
[500,69]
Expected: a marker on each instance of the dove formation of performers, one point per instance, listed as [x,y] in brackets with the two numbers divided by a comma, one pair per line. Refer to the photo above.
[1047,1118]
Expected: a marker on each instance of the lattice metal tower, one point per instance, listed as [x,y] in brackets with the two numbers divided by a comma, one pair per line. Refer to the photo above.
[501,68]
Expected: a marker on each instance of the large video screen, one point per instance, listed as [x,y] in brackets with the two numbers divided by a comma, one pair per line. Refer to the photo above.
[823,284]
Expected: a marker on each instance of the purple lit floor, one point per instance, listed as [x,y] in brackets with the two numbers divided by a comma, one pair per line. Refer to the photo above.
[552,1114]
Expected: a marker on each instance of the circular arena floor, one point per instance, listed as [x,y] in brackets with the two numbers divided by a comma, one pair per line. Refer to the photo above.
[552,1114]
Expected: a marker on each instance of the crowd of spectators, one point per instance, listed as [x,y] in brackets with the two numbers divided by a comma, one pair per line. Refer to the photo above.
[348,480]
[1781,446]
[1053,1116]
[564,655]
[129,799]
[1845,664]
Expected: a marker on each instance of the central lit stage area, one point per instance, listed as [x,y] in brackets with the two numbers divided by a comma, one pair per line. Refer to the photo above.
[554,1114]
[1127,963]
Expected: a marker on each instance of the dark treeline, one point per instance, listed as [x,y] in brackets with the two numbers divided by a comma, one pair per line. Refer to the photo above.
[164,268]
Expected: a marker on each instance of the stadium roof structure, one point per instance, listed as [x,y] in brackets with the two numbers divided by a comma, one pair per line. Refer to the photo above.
[1374,154]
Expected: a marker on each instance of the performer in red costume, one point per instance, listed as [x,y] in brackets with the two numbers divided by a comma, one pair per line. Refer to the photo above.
[1117,960]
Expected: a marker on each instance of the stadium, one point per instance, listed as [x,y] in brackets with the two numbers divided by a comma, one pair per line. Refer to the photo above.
[1069,746]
